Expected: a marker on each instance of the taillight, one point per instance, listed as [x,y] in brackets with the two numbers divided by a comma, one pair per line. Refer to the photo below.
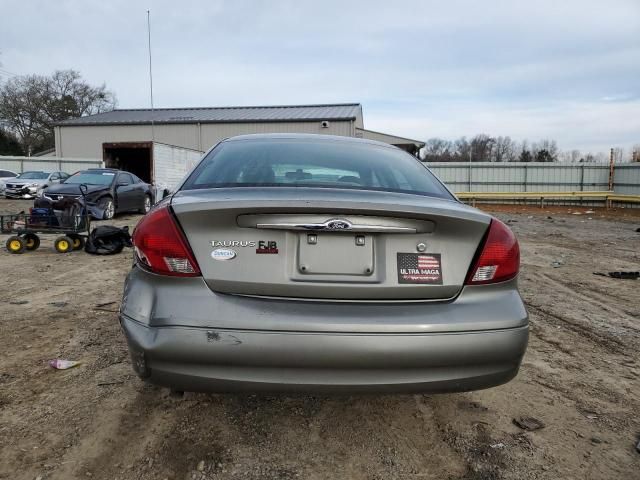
[499,256]
[161,247]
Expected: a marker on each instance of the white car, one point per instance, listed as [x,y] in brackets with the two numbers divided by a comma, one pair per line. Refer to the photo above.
[4,176]
[29,185]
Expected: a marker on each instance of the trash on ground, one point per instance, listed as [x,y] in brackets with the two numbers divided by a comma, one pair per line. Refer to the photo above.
[622,275]
[60,364]
[557,264]
[528,423]
[591,415]
[497,445]
[98,305]
[589,211]
[103,307]
[59,304]
[108,240]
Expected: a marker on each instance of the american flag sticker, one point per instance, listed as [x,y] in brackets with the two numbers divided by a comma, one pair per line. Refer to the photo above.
[419,268]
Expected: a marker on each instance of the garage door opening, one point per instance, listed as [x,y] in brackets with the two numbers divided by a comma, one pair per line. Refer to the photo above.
[134,157]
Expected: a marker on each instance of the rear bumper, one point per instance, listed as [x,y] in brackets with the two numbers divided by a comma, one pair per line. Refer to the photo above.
[199,359]
[186,337]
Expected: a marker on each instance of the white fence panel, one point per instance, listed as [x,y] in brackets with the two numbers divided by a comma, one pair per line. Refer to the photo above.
[48,164]
[536,177]
[627,179]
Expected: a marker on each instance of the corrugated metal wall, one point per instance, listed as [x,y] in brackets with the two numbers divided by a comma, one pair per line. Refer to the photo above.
[47,164]
[171,164]
[536,177]
[86,141]
[627,179]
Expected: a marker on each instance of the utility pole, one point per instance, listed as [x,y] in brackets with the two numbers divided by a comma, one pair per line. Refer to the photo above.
[611,170]
[150,72]
[470,165]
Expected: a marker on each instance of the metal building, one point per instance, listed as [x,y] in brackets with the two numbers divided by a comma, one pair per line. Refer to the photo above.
[125,138]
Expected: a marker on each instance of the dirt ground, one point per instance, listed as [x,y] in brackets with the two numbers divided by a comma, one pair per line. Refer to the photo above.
[580,377]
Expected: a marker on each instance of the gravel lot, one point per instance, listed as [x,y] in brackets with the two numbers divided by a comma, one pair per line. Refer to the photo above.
[580,377]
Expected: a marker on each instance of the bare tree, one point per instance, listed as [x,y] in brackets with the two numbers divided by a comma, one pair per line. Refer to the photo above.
[9,144]
[525,154]
[574,155]
[486,148]
[437,150]
[31,104]
[481,147]
[462,150]
[504,150]
[545,150]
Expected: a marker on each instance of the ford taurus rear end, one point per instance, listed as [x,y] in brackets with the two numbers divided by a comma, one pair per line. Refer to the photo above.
[317,263]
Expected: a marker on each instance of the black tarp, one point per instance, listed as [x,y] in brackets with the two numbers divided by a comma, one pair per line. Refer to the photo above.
[108,240]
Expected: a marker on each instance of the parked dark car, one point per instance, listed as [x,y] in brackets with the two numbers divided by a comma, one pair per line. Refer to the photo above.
[112,191]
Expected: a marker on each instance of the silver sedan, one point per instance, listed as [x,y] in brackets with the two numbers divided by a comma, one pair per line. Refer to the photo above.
[319,263]
[28,185]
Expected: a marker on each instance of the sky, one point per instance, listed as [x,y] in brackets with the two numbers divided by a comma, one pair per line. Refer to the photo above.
[567,70]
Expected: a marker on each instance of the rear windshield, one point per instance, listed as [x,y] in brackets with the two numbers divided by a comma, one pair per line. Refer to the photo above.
[313,163]
[91,178]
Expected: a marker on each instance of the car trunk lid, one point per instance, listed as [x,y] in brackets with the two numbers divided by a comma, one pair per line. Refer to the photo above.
[333,244]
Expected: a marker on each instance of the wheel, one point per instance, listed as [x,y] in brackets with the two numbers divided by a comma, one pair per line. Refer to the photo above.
[16,245]
[146,205]
[31,241]
[63,244]
[108,206]
[78,241]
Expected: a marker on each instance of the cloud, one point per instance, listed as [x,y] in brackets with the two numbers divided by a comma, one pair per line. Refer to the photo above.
[565,70]
[590,126]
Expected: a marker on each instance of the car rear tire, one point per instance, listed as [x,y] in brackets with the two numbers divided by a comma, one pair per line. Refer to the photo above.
[15,245]
[108,206]
[63,244]
[146,206]
[31,241]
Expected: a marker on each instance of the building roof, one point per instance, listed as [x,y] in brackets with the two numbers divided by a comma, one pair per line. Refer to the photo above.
[278,113]
[388,138]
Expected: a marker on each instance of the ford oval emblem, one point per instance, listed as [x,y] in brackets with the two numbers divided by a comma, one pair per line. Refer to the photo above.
[336,224]
[223,254]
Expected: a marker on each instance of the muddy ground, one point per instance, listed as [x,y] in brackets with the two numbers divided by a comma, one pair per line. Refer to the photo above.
[580,377]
